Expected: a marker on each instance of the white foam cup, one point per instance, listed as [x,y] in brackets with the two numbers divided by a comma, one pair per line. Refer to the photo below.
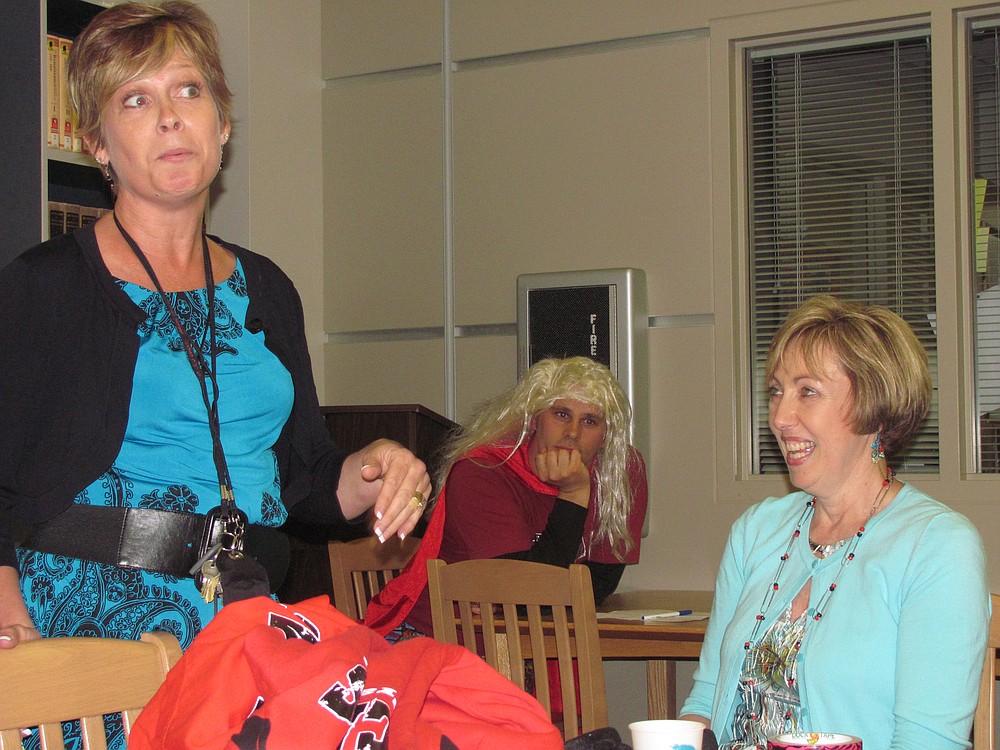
[666,734]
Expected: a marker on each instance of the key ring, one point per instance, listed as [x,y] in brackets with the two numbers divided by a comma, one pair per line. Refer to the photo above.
[231,537]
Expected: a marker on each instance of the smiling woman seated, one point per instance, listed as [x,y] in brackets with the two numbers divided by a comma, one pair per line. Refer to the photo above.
[828,603]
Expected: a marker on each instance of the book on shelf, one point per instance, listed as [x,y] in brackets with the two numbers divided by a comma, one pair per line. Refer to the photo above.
[65,217]
[52,103]
[78,145]
[57,218]
[72,217]
[60,114]
[70,140]
[90,214]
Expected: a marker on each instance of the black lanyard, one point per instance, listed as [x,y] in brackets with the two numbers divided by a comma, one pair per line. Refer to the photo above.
[205,372]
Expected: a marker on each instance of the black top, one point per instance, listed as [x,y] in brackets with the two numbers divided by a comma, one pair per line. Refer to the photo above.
[68,347]
[559,544]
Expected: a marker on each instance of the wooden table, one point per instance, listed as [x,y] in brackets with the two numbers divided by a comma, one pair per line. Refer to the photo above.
[660,644]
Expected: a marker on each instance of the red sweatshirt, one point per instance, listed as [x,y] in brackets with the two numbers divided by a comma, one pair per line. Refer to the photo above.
[301,676]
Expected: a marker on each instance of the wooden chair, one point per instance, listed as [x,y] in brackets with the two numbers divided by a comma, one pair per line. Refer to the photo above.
[359,569]
[48,681]
[568,633]
[983,724]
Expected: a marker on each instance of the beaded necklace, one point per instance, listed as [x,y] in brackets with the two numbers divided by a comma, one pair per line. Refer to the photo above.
[849,551]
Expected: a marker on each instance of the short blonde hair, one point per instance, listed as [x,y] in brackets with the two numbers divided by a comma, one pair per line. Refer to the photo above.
[884,361]
[130,40]
[506,421]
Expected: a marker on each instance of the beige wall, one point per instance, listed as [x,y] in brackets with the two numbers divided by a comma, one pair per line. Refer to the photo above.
[270,193]
[406,159]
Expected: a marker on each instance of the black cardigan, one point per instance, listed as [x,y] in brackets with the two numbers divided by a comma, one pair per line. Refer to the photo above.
[68,346]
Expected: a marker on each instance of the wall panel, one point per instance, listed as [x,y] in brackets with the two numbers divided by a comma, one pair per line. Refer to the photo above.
[385,372]
[384,222]
[583,162]
[484,367]
[376,35]
[687,528]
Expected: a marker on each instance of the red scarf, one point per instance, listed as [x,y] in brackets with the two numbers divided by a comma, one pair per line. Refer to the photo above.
[391,605]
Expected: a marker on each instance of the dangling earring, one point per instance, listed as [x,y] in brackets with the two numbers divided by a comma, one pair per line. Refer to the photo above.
[877,451]
[106,167]
[225,140]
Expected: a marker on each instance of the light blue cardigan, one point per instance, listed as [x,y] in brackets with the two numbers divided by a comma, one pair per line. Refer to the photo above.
[897,656]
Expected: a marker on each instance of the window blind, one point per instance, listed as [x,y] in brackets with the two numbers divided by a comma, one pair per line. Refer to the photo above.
[984,103]
[841,200]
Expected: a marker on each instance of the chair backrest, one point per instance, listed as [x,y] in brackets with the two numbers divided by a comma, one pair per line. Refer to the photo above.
[51,680]
[551,609]
[359,569]
[983,726]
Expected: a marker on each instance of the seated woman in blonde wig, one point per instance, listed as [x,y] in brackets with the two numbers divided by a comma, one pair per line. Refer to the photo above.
[543,472]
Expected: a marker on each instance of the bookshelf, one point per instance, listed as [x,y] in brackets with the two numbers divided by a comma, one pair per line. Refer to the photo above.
[36,173]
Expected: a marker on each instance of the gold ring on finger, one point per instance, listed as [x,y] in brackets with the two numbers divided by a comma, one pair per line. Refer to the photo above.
[417,502]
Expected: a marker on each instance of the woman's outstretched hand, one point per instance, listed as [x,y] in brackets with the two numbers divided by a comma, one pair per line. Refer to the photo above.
[388,479]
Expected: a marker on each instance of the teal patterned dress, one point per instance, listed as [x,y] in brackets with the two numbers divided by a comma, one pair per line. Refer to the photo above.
[166,463]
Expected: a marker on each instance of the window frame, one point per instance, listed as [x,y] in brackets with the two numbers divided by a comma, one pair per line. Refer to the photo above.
[827,244]
[730,39]
[970,22]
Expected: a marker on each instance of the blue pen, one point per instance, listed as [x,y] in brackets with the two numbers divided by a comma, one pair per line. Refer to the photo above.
[667,615]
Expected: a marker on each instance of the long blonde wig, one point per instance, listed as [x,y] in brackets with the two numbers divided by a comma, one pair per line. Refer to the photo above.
[507,421]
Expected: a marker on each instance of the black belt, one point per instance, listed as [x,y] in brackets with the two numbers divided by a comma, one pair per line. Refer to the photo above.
[162,541]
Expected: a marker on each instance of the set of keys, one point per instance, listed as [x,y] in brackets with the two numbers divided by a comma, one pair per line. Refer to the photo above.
[208,577]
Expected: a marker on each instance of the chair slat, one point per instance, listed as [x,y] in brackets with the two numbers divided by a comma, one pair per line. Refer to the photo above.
[51,736]
[515,651]
[467,620]
[128,720]
[10,739]
[489,638]
[567,678]
[92,733]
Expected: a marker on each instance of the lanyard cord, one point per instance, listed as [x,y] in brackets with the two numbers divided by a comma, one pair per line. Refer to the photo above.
[203,372]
